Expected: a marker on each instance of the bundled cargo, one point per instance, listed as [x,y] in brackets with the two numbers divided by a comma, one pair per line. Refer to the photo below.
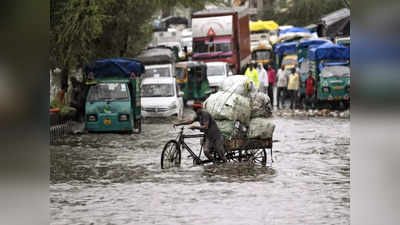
[238,84]
[228,106]
[261,128]
[260,105]
[232,129]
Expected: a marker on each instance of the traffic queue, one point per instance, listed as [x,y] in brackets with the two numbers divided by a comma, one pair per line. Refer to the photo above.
[284,62]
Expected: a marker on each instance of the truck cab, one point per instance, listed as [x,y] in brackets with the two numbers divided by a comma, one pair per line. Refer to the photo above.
[217,72]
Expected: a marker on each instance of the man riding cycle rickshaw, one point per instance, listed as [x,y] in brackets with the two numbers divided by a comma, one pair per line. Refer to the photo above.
[214,141]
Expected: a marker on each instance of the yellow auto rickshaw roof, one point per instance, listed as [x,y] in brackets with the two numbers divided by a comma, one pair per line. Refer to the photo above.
[263,25]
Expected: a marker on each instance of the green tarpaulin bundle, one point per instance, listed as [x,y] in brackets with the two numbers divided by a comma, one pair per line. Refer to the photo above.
[261,128]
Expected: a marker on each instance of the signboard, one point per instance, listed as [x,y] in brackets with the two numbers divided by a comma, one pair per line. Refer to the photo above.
[212,26]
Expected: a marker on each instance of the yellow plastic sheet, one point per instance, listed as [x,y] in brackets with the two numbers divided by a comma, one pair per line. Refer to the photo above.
[263,25]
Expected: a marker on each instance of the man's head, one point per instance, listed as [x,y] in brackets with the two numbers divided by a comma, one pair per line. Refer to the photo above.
[310,73]
[251,66]
[293,70]
[283,67]
[197,107]
[269,66]
[259,66]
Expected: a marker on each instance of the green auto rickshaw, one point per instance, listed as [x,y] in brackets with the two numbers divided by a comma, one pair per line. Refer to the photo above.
[113,99]
[191,77]
[302,48]
[330,65]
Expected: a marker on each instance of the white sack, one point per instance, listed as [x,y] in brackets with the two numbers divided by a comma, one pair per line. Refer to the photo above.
[228,106]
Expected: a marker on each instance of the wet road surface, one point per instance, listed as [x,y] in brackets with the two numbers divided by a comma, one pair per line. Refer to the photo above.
[116,179]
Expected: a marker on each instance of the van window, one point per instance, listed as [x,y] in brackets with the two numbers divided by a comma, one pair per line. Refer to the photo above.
[157,90]
[180,73]
[160,72]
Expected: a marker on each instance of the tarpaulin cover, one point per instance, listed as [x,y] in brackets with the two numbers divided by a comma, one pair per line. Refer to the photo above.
[294,30]
[285,48]
[263,25]
[115,68]
[329,51]
[308,42]
[157,55]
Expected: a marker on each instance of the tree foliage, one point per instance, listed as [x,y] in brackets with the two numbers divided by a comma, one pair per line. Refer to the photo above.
[303,12]
[83,30]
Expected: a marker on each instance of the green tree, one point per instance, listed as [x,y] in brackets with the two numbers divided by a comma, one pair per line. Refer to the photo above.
[83,30]
[303,12]
[75,26]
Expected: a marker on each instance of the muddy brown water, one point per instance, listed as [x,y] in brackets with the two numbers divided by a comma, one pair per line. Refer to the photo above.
[116,179]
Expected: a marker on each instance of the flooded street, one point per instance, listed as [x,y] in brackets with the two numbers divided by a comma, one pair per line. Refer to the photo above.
[116,179]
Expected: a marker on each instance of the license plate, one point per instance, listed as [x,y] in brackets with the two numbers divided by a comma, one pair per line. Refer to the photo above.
[107,121]
[338,88]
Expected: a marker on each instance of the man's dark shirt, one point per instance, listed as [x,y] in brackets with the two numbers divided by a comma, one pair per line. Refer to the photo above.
[212,132]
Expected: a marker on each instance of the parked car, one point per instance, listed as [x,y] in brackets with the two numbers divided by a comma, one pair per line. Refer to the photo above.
[216,73]
[161,98]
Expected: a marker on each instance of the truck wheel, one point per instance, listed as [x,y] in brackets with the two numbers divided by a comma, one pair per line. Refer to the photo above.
[138,126]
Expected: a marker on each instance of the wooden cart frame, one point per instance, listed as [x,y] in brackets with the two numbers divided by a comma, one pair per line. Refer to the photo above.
[236,150]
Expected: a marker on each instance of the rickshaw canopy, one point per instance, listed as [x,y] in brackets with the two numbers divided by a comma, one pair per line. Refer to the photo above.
[263,25]
[329,51]
[121,68]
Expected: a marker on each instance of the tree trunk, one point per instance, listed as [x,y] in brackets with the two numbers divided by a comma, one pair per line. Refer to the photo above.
[64,78]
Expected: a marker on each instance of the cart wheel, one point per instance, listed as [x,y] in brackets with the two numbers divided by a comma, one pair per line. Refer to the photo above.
[171,155]
[258,156]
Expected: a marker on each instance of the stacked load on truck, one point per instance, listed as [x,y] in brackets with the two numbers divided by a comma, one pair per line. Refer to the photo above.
[240,110]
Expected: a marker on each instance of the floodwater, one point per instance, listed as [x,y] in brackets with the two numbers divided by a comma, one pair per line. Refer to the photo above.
[116,179]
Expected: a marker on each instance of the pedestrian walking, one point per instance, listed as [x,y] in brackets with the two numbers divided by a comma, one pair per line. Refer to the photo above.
[282,83]
[271,83]
[252,74]
[293,88]
[262,78]
[310,91]
[78,98]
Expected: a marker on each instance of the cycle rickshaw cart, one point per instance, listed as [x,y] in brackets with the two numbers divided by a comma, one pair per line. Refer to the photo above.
[236,150]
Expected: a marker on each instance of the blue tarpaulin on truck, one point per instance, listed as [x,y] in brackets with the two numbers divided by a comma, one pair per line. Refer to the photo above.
[329,51]
[309,42]
[294,30]
[115,68]
[285,48]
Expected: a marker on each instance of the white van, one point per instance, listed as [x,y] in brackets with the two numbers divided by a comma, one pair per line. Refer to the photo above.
[216,73]
[160,97]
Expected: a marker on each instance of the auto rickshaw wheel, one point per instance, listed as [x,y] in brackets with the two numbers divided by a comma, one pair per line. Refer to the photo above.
[171,155]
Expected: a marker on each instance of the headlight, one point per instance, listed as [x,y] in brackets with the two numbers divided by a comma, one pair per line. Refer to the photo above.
[173,106]
[123,117]
[92,118]
[326,89]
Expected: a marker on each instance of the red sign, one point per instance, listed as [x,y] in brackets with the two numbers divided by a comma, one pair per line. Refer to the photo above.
[211,32]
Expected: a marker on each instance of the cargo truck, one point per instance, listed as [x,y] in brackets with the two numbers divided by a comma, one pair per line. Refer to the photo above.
[222,35]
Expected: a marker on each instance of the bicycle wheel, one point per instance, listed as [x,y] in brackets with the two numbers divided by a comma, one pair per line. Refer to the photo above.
[171,155]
